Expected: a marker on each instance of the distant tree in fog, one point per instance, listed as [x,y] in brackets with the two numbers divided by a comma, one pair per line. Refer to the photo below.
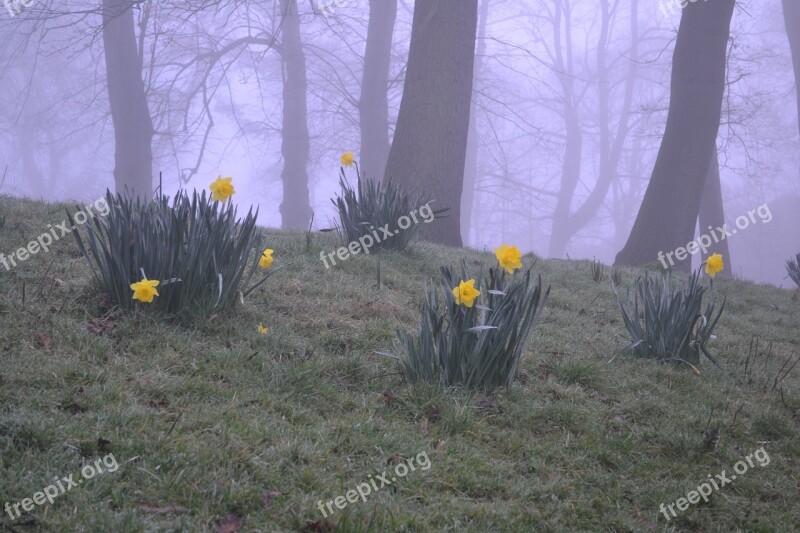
[791,14]
[671,205]
[614,115]
[471,164]
[712,213]
[373,106]
[295,208]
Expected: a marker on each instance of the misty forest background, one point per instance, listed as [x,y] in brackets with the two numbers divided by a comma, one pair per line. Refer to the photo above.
[571,128]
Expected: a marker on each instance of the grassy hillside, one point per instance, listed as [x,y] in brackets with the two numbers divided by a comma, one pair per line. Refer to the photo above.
[217,426]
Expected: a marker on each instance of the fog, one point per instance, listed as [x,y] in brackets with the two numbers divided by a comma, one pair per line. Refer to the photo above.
[547,134]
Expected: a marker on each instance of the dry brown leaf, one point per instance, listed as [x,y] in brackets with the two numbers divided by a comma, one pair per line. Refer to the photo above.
[319,525]
[268,496]
[389,397]
[433,413]
[229,524]
[158,404]
[44,341]
[98,327]
[395,459]
[711,439]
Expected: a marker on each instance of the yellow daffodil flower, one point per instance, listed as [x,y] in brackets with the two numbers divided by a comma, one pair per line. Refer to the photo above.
[262,329]
[266,259]
[145,290]
[222,189]
[348,158]
[466,293]
[509,257]
[714,265]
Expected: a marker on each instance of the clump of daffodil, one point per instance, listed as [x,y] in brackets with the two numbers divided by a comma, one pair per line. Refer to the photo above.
[508,257]
[145,290]
[466,293]
[348,159]
[714,265]
[266,259]
[479,347]
[262,330]
[222,189]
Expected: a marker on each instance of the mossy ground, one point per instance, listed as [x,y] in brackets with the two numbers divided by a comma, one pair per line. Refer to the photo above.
[215,424]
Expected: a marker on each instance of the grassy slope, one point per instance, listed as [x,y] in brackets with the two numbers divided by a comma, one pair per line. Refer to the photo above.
[198,421]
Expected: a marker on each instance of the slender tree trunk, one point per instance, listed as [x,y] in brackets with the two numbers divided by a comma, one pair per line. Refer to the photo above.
[373,107]
[130,114]
[55,155]
[33,176]
[471,165]
[430,142]
[573,132]
[295,208]
[712,213]
[671,205]
[567,225]
[791,15]
[570,176]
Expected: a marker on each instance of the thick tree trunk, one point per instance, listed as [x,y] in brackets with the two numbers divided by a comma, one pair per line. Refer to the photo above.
[430,142]
[373,107]
[295,208]
[471,164]
[791,14]
[130,114]
[712,213]
[669,211]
